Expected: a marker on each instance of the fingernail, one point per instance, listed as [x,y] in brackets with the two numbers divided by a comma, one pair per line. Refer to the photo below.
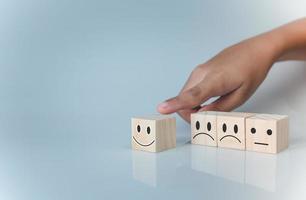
[164,105]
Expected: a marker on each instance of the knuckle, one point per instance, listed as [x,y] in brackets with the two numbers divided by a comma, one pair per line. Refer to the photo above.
[192,97]
[245,91]
[199,69]
[195,92]
[203,66]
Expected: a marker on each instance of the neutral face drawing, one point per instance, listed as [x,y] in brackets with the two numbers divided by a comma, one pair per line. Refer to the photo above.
[267,133]
[261,135]
[261,140]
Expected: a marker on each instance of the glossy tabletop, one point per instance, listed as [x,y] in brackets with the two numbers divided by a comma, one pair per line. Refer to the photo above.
[73,73]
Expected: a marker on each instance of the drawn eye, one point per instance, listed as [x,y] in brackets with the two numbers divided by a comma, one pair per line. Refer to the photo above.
[148,130]
[208,126]
[236,128]
[269,132]
[253,130]
[224,128]
[197,125]
[138,129]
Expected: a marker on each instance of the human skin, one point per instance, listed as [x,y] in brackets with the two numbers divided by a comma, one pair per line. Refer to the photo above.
[236,72]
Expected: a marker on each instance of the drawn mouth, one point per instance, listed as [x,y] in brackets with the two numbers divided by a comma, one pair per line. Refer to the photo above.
[202,134]
[230,136]
[261,143]
[144,145]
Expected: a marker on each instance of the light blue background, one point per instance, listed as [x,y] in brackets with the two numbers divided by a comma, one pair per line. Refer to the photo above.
[73,73]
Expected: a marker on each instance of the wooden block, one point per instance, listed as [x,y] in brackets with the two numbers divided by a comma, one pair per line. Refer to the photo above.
[204,128]
[231,129]
[153,133]
[267,133]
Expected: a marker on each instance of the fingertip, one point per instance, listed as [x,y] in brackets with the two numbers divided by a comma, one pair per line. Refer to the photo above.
[164,108]
[169,106]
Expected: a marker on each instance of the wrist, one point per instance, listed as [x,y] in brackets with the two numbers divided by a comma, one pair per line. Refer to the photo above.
[267,48]
[291,39]
[274,43]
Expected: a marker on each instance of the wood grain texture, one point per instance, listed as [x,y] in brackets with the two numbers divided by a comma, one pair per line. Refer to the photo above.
[267,133]
[231,129]
[204,128]
[153,133]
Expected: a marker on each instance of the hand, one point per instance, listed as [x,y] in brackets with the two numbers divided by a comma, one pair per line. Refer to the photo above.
[233,75]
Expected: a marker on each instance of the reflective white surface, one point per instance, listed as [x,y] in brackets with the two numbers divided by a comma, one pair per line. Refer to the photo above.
[73,73]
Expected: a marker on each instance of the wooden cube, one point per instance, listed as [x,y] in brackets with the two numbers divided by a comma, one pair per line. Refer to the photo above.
[267,133]
[153,133]
[204,128]
[231,129]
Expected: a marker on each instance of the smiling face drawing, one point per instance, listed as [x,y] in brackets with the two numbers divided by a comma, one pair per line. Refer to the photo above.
[231,130]
[204,128]
[143,134]
[148,131]
[153,133]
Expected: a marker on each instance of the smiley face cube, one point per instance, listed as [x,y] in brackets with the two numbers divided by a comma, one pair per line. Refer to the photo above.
[267,133]
[204,128]
[231,129]
[153,133]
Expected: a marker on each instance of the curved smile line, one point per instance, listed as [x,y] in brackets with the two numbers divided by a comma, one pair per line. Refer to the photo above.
[203,134]
[230,136]
[144,145]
